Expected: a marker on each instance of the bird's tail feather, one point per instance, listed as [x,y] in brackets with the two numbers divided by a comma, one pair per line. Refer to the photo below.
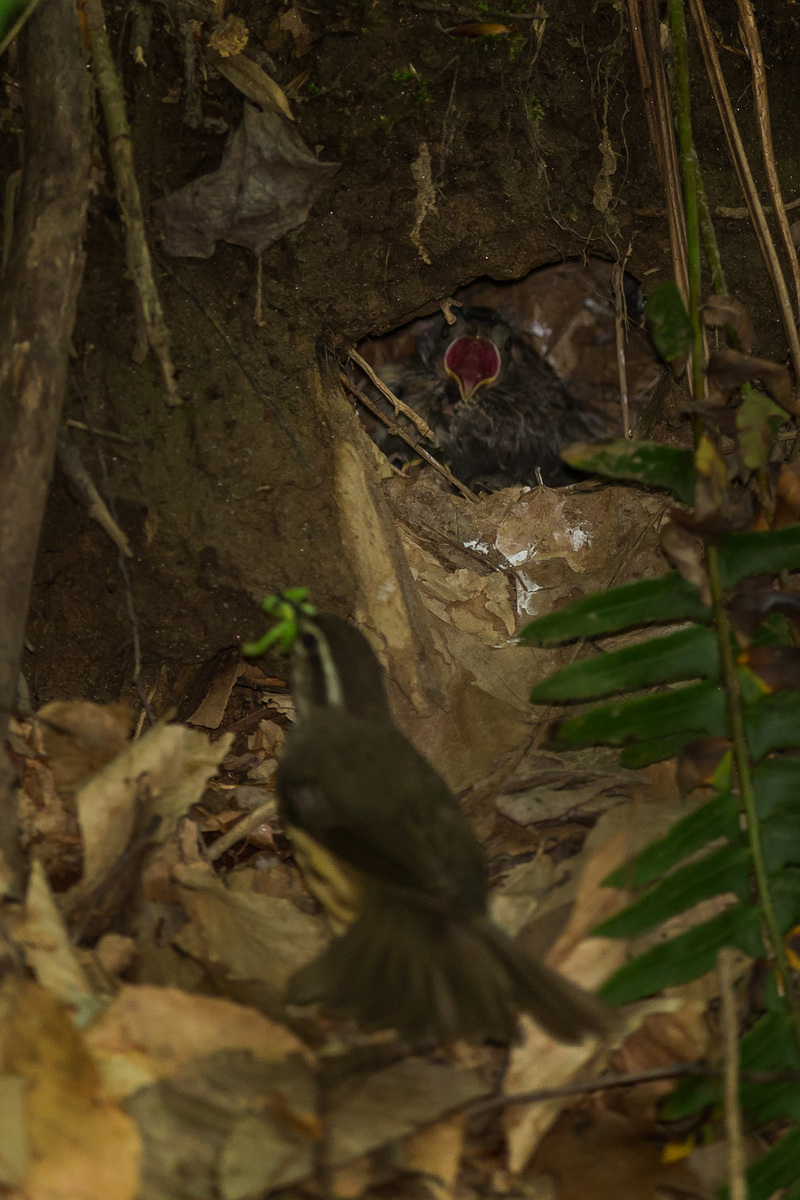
[404,965]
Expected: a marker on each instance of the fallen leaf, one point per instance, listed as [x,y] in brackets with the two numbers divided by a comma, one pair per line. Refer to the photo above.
[79,737]
[148,1033]
[82,1147]
[265,186]
[48,949]
[160,775]
[242,936]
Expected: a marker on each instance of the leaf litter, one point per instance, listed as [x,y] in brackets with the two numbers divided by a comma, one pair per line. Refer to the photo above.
[159,970]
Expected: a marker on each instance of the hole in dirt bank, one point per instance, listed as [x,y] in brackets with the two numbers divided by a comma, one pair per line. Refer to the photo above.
[507,373]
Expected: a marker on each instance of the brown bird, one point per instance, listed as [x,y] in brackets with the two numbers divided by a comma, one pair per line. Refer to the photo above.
[385,848]
[499,412]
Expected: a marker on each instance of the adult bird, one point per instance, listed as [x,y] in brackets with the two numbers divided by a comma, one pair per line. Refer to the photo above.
[498,410]
[385,848]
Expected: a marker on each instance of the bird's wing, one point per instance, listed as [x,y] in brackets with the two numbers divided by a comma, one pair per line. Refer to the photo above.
[363,791]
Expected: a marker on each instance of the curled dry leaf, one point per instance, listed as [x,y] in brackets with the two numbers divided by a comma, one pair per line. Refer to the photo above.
[265,186]
[728,310]
[684,550]
[48,950]
[230,37]
[80,737]
[253,82]
[729,369]
[159,776]
[787,508]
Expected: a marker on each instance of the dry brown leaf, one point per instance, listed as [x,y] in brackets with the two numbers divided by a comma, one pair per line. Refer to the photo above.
[537,1061]
[436,1153]
[211,710]
[252,82]
[82,1146]
[230,37]
[148,1033]
[265,185]
[603,1156]
[662,1039]
[79,737]
[729,310]
[160,775]
[48,950]
[244,936]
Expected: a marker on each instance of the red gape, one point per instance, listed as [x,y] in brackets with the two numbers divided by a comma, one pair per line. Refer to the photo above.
[472,362]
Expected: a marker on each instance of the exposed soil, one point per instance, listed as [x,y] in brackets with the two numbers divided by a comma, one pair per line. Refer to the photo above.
[229,496]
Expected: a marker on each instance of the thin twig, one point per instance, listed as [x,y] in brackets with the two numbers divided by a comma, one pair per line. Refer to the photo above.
[608,1082]
[73,467]
[737,1158]
[644,24]
[238,832]
[689,172]
[103,433]
[620,319]
[396,404]
[588,1087]
[736,147]
[120,148]
[394,428]
[752,44]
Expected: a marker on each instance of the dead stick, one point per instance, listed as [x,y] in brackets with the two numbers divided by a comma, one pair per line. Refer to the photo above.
[38,296]
[120,148]
[394,428]
[396,404]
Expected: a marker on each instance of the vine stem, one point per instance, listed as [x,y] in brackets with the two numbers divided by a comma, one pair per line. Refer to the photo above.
[689,173]
[741,758]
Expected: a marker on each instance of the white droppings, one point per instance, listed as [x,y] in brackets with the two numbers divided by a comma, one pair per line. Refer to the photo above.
[526,589]
[386,589]
[481,547]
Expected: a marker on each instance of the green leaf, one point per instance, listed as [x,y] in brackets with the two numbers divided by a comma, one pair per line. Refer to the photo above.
[687,654]
[766,1101]
[699,708]
[686,956]
[765,552]
[758,419]
[13,15]
[649,463]
[777,1168]
[692,1095]
[668,321]
[771,1043]
[647,602]
[725,869]
[641,754]
[718,817]
[780,837]
[776,783]
[773,723]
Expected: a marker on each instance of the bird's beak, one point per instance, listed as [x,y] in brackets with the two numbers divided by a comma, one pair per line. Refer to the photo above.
[472,362]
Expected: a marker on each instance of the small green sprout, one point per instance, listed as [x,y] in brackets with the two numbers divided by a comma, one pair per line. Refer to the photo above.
[285,609]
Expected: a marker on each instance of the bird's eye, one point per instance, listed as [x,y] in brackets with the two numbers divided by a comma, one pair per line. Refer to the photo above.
[445,332]
[508,344]
[309,642]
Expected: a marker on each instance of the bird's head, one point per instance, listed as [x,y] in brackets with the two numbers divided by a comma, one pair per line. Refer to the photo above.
[334,666]
[475,347]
